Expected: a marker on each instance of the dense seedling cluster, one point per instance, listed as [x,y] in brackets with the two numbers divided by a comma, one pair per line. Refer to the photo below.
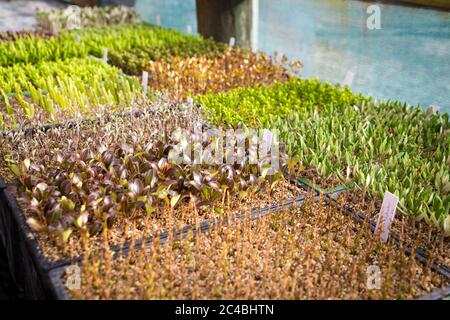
[385,146]
[180,78]
[311,252]
[30,49]
[13,35]
[51,79]
[37,75]
[108,174]
[414,233]
[79,180]
[55,91]
[133,61]
[140,39]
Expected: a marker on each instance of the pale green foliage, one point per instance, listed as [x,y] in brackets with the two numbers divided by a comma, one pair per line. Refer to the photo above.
[387,146]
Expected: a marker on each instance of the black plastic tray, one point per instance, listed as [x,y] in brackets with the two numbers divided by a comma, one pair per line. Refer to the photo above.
[33,273]
[38,277]
[45,281]
[437,294]
[55,275]
[308,183]
[43,262]
[28,267]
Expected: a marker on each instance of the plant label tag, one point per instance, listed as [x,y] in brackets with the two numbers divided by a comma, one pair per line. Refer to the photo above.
[145,81]
[435,108]
[348,78]
[279,58]
[105,54]
[158,20]
[386,215]
[189,29]
[266,140]
[232,42]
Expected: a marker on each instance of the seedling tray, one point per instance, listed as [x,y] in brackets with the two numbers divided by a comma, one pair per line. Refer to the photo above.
[28,267]
[73,124]
[420,254]
[61,293]
[56,274]
[36,276]
[308,183]
[85,121]
[18,217]
[27,93]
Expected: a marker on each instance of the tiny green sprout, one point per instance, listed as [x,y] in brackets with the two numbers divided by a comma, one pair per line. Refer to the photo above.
[67,204]
[174,200]
[66,234]
[15,169]
[82,220]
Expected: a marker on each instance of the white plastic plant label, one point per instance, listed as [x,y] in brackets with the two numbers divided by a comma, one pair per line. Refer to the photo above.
[189,29]
[435,108]
[232,42]
[105,54]
[145,81]
[267,140]
[386,215]
[348,78]
[279,58]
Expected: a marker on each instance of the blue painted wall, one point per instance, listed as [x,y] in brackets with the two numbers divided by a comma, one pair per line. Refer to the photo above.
[407,60]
